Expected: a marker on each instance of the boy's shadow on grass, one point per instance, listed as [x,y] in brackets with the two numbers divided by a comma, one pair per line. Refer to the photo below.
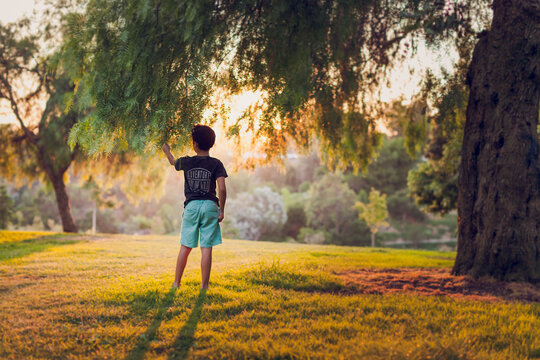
[186,336]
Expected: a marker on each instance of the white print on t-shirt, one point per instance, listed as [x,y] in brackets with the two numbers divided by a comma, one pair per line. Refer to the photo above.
[198,180]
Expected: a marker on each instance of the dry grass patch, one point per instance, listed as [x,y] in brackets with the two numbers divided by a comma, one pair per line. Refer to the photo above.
[436,282]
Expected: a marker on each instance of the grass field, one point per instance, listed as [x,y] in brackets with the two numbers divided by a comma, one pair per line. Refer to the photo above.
[110,297]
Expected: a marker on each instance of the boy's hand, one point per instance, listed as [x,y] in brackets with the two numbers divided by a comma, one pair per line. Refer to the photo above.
[167,150]
[221,215]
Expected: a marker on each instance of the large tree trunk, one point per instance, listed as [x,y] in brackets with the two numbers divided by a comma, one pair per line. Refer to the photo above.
[62,200]
[499,179]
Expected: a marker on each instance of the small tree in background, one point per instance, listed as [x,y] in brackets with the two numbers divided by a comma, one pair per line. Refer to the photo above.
[100,199]
[374,213]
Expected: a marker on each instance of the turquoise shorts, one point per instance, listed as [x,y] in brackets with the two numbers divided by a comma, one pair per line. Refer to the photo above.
[200,220]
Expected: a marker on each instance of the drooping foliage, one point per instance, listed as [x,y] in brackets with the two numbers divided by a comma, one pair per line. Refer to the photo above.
[433,184]
[152,67]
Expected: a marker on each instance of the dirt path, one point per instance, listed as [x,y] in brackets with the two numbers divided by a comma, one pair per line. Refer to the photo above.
[436,282]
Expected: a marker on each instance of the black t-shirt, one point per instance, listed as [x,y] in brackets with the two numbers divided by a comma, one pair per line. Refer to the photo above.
[200,174]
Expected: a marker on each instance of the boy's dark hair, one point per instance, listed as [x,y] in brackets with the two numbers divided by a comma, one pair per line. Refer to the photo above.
[204,136]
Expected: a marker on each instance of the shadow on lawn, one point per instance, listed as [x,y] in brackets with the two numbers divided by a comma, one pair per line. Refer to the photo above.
[141,347]
[16,249]
[186,336]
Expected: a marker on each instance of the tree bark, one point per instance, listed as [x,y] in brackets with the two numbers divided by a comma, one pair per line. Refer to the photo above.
[499,178]
[62,200]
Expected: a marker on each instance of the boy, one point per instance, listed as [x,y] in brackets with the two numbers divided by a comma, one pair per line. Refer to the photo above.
[203,211]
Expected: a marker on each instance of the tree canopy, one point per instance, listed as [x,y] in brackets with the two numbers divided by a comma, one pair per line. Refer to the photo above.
[151,68]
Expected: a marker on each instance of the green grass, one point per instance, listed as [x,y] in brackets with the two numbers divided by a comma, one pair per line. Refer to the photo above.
[109,297]
[28,243]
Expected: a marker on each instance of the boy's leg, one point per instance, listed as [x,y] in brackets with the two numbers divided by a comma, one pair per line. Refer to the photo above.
[206,266]
[181,264]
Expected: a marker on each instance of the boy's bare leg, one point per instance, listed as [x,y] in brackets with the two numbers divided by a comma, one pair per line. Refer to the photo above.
[206,266]
[181,264]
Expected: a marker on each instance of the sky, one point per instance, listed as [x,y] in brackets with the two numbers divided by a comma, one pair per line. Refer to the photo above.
[403,84]
[11,10]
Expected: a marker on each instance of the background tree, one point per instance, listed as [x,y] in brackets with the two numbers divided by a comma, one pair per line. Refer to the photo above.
[329,208]
[296,220]
[388,174]
[36,146]
[374,213]
[6,207]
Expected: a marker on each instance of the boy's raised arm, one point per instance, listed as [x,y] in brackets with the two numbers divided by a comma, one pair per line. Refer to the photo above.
[167,150]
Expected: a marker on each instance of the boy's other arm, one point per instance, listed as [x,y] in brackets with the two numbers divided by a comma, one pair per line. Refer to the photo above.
[167,150]
[222,195]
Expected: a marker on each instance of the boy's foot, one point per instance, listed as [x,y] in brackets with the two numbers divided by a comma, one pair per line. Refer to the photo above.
[175,285]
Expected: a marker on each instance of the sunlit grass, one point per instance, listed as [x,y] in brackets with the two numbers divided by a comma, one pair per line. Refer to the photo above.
[14,245]
[110,297]
[14,236]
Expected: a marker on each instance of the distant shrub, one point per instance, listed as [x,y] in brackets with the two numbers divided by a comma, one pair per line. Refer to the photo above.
[296,219]
[304,186]
[257,215]
[402,207]
[312,236]
[228,230]
[6,207]
[330,206]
